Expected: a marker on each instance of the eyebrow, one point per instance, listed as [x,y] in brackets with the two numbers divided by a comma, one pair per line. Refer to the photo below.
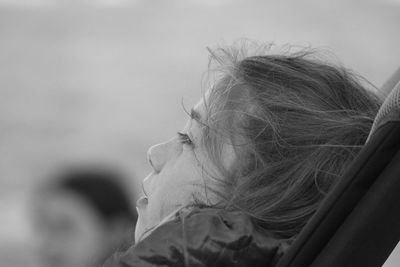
[195,115]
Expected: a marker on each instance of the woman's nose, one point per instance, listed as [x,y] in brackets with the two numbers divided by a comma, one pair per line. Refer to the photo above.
[158,155]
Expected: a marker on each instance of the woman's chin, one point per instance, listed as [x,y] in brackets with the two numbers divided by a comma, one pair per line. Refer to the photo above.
[145,223]
[140,228]
[146,226]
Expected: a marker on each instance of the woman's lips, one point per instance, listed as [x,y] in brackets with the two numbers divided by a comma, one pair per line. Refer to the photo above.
[142,202]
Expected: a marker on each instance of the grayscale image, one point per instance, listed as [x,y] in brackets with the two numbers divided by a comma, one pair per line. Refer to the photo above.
[199,133]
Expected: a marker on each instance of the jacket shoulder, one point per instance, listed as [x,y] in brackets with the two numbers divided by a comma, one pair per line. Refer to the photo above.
[204,237]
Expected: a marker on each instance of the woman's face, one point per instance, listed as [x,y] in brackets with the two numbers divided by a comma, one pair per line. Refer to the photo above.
[181,171]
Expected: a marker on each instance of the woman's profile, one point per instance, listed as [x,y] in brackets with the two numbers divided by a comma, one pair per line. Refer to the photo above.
[261,149]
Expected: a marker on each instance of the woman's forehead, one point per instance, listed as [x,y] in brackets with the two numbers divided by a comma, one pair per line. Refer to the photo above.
[198,112]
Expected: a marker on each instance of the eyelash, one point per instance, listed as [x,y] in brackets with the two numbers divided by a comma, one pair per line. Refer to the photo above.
[185,139]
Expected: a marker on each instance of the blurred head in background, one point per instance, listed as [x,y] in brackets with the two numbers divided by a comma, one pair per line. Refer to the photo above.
[81,217]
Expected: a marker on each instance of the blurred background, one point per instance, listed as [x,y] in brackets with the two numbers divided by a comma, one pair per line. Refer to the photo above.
[102,80]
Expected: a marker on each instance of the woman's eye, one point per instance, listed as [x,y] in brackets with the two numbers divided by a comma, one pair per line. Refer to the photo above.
[185,139]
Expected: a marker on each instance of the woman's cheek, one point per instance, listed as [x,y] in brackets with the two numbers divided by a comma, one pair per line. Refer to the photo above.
[179,198]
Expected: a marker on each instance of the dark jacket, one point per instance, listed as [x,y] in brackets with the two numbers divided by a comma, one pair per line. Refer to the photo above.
[204,237]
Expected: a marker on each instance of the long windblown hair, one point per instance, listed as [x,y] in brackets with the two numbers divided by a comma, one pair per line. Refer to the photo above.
[295,123]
